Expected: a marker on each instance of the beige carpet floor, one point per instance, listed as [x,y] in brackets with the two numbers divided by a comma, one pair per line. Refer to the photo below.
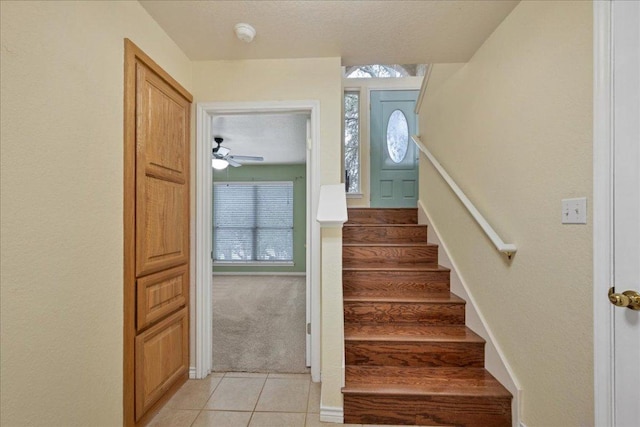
[259,324]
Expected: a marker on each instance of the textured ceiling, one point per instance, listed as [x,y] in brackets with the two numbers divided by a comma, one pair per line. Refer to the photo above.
[279,138]
[361,32]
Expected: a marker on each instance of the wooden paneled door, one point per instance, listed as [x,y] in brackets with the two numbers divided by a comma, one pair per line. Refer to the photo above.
[156,235]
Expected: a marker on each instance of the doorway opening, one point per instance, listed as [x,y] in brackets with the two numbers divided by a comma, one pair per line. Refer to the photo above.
[259,239]
[294,271]
[357,135]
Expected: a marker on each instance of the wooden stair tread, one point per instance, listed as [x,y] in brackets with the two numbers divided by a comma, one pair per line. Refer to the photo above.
[356,225]
[382,216]
[391,294]
[416,282]
[414,297]
[390,245]
[461,389]
[409,332]
[422,381]
[390,265]
[384,233]
[418,267]
[389,254]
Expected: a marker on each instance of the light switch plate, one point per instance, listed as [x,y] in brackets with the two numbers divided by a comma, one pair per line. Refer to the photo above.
[574,211]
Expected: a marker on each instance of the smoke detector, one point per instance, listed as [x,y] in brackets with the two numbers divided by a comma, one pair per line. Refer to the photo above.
[245,32]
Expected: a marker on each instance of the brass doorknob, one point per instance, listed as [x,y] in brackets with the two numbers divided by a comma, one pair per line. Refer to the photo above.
[628,299]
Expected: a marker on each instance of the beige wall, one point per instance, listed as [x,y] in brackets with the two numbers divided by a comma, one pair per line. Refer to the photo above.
[62,115]
[281,80]
[286,80]
[513,127]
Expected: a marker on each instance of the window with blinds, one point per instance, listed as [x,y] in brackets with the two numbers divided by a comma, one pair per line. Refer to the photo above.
[253,222]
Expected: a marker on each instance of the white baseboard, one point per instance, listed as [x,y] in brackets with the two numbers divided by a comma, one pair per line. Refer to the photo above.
[331,414]
[192,373]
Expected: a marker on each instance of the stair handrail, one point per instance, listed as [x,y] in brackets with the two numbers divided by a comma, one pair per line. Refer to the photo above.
[509,249]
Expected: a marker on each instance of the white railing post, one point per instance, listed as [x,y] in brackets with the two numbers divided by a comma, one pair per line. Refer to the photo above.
[332,214]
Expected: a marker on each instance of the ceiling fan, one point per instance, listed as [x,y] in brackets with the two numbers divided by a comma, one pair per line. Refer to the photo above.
[221,156]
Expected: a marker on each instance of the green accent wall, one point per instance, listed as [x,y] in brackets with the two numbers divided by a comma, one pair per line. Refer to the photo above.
[265,173]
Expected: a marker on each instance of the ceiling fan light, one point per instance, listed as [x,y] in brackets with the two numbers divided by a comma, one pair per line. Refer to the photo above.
[219,164]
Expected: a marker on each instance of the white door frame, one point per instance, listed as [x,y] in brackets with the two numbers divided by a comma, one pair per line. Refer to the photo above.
[203,247]
[602,216]
[603,172]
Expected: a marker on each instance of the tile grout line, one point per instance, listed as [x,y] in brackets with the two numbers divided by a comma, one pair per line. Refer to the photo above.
[206,401]
[253,411]
[255,405]
[306,415]
[196,418]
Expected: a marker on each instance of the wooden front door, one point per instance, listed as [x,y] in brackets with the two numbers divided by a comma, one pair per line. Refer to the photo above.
[156,233]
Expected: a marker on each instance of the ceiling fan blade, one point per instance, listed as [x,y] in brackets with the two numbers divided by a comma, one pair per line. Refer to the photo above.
[253,158]
[233,163]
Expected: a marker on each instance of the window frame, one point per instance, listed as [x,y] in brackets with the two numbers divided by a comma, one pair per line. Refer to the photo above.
[254,262]
[358,91]
[395,71]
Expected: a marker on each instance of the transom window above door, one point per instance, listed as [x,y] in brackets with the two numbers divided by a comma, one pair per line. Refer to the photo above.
[384,71]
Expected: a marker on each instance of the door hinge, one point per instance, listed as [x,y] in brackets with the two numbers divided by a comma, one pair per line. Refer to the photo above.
[308,328]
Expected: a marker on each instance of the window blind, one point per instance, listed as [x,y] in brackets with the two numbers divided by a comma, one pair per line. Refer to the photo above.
[253,222]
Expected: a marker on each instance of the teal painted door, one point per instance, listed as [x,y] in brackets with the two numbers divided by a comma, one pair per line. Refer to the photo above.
[394,165]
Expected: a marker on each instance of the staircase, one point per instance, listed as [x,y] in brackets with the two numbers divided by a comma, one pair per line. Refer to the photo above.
[409,357]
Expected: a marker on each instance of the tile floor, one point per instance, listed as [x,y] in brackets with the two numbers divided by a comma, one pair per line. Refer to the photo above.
[244,399]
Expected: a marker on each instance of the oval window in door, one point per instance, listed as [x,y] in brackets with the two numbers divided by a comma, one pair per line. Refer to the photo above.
[397,136]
